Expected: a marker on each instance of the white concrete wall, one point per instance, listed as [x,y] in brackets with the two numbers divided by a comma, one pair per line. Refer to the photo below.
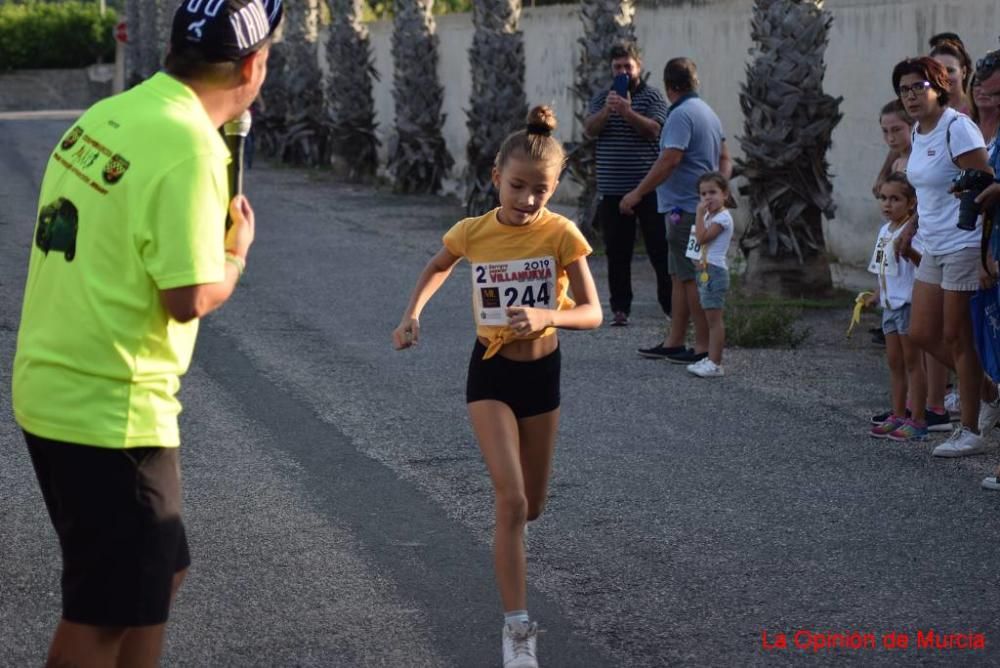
[868,38]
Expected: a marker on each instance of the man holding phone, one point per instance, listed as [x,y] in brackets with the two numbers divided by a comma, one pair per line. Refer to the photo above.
[626,120]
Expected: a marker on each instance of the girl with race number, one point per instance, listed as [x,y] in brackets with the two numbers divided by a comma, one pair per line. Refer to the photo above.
[524,259]
[709,243]
[894,293]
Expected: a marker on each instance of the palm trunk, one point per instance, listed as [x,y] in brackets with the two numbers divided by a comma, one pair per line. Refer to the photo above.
[418,156]
[133,57]
[789,122]
[498,105]
[605,23]
[353,143]
[302,139]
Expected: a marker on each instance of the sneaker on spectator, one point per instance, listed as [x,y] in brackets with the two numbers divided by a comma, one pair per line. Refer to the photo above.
[953,404]
[882,417]
[909,430]
[689,356]
[519,649]
[620,319]
[991,483]
[706,368]
[989,414]
[885,428]
[659,352]
[962,443]
[937,421]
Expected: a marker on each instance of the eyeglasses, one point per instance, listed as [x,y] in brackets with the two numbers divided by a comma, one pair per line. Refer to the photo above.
[918,89]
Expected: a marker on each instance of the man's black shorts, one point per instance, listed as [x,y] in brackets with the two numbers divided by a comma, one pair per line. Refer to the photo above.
[117,515]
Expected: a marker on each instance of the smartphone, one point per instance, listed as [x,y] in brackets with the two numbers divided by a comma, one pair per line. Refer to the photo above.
[621,85]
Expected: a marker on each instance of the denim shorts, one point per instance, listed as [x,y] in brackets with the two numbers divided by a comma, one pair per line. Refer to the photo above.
[712,293]
[896,320]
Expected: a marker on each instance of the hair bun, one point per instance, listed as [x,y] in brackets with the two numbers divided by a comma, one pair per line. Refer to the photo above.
[541,121]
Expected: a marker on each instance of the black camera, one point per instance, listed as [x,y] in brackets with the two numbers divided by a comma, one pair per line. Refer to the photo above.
[970,183]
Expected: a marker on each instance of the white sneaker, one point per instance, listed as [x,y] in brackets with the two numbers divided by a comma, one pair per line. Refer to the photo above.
[706,368]
[961,443]
[989,414]
[519,645]
[992,483]
[953,404]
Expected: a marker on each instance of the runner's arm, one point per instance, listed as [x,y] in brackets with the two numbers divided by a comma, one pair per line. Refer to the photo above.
[587,312]
[430,280]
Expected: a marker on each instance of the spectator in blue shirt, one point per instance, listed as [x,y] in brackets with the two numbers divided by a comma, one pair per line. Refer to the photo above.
[692,143]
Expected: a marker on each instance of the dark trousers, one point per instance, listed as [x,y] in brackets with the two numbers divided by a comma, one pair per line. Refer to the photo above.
[619,242]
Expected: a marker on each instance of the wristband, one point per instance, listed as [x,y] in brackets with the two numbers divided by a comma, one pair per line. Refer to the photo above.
[237,262]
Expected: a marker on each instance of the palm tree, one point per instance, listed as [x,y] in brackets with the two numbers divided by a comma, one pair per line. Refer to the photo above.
[149,48]
[302,138]
[133,60]
[349,88]
[498,105]
[788,123]
[605,23]
[418,156]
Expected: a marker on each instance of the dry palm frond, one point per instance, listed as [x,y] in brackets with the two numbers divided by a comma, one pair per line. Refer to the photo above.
[605,23]
[788,123]
[351,104]
[497,105]
[418,157]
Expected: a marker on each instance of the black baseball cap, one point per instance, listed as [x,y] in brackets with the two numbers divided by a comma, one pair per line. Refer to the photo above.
[224,30]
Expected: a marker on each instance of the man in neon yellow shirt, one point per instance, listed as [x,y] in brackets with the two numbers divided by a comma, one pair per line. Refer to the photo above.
[130,250]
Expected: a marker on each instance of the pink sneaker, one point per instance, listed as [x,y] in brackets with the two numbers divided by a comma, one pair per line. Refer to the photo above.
[883,430]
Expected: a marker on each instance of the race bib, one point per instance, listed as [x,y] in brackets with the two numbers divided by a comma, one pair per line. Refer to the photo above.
[693,248]
[497,286]
[883,260]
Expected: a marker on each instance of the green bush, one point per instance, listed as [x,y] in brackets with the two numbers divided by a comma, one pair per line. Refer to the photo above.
[37,35]
[773,325]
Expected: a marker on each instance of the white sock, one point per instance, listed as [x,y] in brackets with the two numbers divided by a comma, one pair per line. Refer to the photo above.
[513,617]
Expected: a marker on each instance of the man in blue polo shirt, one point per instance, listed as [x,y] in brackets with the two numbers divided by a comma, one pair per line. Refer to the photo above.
[626,129]
[691,144]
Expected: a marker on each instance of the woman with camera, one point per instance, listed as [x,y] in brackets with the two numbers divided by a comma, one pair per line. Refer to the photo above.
[946,144]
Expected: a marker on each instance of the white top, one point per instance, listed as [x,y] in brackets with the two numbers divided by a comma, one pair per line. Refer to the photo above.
[931,170]
[717,247]
[895,277]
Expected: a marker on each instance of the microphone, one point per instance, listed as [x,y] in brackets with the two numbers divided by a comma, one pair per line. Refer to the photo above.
[235,133]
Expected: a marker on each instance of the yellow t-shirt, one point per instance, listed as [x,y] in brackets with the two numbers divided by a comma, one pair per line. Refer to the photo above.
[133,202]
[516,265]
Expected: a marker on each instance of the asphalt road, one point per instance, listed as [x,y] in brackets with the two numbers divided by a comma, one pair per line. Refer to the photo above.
[340,515]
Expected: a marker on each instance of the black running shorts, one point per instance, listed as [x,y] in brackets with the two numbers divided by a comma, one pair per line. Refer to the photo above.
[117,515]
[529,388]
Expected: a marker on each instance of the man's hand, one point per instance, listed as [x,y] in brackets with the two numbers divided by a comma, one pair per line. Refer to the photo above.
[628,202]
[240,235]
[618,104]
[989,198]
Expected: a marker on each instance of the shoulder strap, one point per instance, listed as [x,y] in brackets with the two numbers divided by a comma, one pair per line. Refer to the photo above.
[947,137]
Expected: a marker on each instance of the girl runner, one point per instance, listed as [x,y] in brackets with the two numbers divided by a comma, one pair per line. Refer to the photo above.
[524,260]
